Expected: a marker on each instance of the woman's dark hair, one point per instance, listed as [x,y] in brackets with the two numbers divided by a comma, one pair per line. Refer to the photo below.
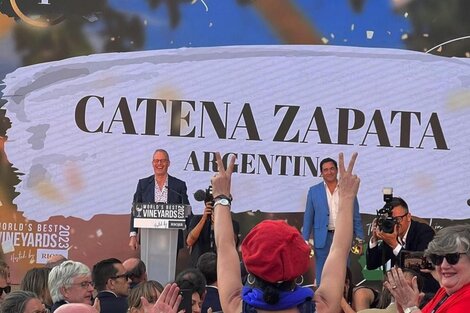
[207,264]
[193,279]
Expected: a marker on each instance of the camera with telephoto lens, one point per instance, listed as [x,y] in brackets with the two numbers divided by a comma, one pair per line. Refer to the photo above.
[385,220]
[204,195]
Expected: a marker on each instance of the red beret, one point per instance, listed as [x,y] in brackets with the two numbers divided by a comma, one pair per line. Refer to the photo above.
[275,251]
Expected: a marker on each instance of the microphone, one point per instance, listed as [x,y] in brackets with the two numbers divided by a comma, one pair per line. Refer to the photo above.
[179,194]
[200,195]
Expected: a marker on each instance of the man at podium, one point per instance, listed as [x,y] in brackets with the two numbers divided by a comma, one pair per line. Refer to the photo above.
[159,188]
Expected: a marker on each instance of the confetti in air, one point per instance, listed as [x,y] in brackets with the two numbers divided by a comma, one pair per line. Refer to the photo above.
[99,233]
[405,15]
[324,40]
[352,27]
[370,34]
[404,36]
[7,246]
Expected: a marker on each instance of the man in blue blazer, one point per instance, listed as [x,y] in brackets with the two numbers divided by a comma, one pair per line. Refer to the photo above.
[320,214]
[159,187]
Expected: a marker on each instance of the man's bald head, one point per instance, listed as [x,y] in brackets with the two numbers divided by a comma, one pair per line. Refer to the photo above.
[136,269]
[130,263]
[76,308]
[55,260]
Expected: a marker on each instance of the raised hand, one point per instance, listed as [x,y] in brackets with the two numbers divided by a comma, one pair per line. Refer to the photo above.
[207,211]
[405,295]
[167,302]
[348,184]
[221,182]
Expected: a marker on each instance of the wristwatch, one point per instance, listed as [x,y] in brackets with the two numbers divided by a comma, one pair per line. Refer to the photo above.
[222,201]
[411,309]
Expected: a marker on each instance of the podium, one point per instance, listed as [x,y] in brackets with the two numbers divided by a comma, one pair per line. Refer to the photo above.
[158,227]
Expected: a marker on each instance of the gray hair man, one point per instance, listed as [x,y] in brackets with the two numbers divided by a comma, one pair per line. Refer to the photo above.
[70,282]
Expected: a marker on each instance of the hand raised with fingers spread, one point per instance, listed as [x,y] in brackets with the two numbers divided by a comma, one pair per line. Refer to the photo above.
[348,184]
[405,295]
[167,302]
[221,182]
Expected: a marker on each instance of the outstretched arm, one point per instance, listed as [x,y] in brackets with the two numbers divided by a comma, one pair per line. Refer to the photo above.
[228,264]
[328,295]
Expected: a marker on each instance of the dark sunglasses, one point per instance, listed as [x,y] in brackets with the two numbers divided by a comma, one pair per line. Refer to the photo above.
[451,258]
[7,289]
[126,276]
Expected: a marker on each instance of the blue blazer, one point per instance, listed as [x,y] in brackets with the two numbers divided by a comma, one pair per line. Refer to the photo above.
[145,193]
[177,193]
[317,214]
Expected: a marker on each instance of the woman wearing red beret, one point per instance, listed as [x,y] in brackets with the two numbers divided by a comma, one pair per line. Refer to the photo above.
[275,255]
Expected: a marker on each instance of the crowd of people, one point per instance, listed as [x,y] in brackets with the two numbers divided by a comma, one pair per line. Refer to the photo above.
[274,256]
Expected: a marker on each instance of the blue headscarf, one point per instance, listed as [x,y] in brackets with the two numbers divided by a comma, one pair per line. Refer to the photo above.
[287,299]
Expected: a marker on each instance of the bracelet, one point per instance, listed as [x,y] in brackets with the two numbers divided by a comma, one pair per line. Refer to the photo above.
[229,198]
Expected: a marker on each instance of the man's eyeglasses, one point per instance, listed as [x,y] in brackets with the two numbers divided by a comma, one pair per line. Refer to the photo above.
[451,258]
[85,284]
[399,218]
[162,161]
[126,276]
[7,289]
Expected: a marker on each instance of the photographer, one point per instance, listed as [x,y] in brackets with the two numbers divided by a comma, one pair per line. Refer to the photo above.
[200,237]
[387,244]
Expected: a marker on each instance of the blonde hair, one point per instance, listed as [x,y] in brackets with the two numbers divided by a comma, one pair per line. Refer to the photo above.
[150,290]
